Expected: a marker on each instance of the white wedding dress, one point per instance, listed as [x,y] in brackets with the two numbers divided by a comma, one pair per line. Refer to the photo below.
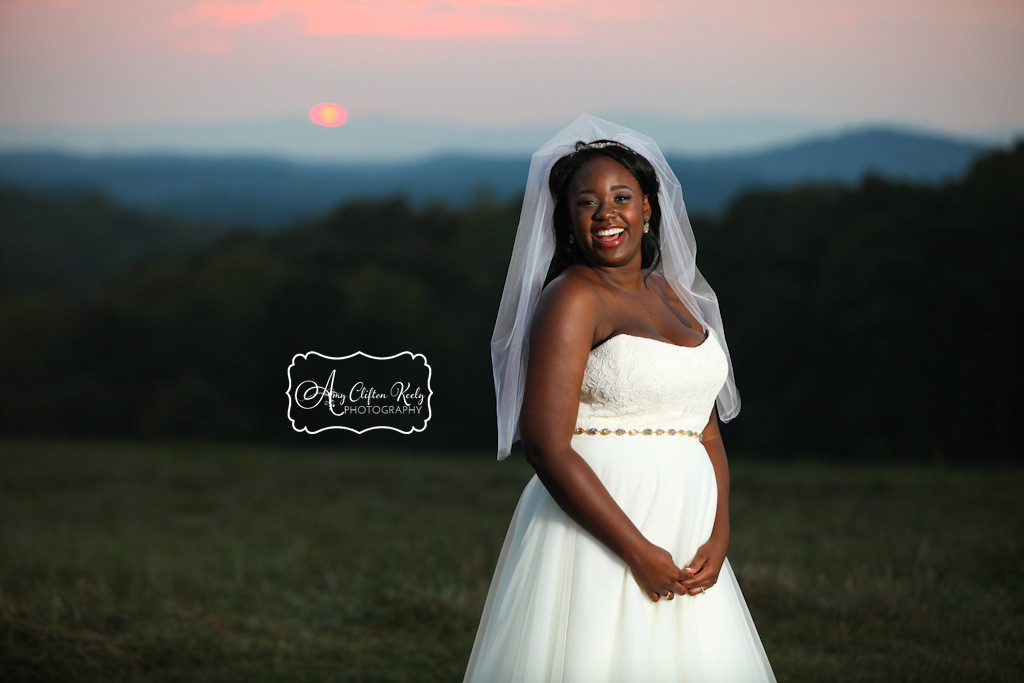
[561,606]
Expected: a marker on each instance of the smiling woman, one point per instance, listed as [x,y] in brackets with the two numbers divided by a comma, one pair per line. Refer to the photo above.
[610,375]
[606,217]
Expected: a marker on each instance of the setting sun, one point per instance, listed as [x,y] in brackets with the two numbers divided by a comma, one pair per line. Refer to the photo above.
[328,114]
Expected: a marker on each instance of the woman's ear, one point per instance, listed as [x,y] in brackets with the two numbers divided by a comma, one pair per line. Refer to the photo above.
[647,208]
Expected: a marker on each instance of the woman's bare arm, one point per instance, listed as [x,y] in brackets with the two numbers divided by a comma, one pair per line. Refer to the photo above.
[560,340]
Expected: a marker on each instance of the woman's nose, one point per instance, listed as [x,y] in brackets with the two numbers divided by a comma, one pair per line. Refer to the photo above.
[603,210]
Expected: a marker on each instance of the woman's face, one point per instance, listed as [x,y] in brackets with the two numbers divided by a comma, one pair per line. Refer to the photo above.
[607,211]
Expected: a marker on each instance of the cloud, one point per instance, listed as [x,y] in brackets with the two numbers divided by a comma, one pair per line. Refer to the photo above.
[385,20]
[225,14]
[27,5]
[458,19]
[212,46]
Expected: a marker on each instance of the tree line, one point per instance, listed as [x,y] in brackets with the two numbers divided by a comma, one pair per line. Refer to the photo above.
[877,320]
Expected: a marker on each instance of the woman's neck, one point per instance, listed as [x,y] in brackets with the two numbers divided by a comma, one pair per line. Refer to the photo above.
[626,279]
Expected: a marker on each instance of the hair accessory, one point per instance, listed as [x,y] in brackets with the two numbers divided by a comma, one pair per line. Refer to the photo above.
[601,145]
[535,245]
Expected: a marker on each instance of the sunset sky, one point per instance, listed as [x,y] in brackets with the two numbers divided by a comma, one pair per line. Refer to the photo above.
[950,65]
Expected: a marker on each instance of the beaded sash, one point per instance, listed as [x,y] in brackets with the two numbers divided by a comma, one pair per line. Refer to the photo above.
[594,431]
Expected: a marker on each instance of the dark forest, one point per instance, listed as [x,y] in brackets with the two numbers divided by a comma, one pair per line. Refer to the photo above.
[873,321]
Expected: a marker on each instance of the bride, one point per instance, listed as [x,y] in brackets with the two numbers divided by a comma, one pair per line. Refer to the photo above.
[609,357]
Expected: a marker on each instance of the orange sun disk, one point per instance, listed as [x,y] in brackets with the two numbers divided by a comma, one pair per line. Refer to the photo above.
[328,114]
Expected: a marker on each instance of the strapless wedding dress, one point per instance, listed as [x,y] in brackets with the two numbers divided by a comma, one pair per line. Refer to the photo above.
[561,606]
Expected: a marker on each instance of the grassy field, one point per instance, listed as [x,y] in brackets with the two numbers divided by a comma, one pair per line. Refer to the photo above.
[206,562]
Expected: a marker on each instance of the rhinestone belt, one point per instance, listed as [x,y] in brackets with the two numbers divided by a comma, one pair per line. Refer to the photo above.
[594,431]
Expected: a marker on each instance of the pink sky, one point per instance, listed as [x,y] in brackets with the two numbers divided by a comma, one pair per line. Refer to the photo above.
[948,64]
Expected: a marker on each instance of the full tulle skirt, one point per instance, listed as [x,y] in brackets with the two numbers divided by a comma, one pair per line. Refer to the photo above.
[562,607]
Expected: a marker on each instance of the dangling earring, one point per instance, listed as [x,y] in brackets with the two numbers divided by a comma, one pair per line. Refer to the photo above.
[647,226]
[572,239]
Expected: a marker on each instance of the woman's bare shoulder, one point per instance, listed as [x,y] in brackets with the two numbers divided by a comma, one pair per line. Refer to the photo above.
[572,283]
[570,301]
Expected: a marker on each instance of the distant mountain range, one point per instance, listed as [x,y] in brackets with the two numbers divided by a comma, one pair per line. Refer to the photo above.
[266,192]
[385,138]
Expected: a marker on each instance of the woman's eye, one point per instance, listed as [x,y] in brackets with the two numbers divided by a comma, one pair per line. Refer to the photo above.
[623,198]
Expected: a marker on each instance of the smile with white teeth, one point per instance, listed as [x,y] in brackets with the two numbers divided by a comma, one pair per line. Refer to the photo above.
[609,232]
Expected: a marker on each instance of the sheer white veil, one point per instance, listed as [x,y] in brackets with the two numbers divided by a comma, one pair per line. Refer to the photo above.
[535,245]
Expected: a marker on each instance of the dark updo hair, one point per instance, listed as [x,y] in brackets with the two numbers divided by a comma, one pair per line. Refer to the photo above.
[562,173]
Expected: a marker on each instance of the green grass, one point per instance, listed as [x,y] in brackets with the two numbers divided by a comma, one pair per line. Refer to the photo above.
[210,562]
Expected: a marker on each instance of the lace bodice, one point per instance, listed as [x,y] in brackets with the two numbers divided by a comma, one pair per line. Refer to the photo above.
[637,382]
